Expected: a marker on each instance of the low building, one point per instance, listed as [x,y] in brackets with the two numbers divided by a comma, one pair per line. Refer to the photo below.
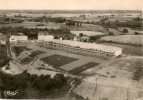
[45,36]
[86,48]
[2,39]
[84,38]
[18,38]
[75,38]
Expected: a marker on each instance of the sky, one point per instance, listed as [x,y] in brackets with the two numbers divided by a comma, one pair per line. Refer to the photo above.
[71,4]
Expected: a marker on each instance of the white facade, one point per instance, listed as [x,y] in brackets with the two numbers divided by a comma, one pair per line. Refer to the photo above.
[83,47]
[45,37]
[18,38]
[118,52]
[61,38]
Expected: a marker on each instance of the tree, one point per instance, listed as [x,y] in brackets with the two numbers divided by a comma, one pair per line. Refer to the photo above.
[110,33]
[81,34]
[125,31]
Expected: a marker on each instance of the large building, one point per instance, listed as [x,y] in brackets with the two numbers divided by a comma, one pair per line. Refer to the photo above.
[45,36]
[18,38]
[82,47]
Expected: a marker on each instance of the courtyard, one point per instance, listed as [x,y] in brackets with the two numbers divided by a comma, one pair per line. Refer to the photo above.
[73,63]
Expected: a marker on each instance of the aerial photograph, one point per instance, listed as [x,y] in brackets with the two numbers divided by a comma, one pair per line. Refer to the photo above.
[71,49]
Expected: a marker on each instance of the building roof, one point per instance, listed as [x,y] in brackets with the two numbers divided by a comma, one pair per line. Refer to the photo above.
[1,33]
[88,45]
[15,36]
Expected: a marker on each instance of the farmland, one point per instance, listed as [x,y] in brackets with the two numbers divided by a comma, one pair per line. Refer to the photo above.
[128,39]
[130,31]
[33,25]
[115,81]
[85,27]
[87,33]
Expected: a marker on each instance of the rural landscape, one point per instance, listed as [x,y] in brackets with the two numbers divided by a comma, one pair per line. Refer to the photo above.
[71,54]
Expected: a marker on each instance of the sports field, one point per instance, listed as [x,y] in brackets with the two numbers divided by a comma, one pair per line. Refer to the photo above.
[83,68]
[58,60]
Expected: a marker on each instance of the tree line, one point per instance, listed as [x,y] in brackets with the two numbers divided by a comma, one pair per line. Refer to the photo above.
[4,60]
[32,33]
[21,82]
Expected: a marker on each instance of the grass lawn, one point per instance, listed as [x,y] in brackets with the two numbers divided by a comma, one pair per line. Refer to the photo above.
[130,39]
[19,49]
[35,53]
[128,50]
[58,60]
[83,68]
[25,48]
[33,25]
[84,27]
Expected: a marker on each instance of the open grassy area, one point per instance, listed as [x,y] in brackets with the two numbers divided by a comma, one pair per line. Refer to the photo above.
[35,53]
[84,27]
[19,49]
[33,25]
[3,55]
[25,48]
[115,32]
[58,60]
[127,39]
[88,33]
[83,68]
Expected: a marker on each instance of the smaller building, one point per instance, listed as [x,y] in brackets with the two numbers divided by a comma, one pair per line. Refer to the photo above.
[45,36]
[84,38]
[2,39]
[75,38]
[60,38]
[18,38]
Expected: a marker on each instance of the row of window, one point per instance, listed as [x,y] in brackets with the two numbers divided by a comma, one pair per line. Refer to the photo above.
[78,49]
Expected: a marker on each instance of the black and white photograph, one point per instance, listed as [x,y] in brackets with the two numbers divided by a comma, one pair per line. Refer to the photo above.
[71,49]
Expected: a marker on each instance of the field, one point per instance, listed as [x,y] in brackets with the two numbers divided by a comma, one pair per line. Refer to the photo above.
[115,32]
[83,68]
[35,53]
[25,48]
[114,81]
[33,25]
[129,39]
[88,33]
[58,60]
[85,27]
[130,31]
[127,50]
